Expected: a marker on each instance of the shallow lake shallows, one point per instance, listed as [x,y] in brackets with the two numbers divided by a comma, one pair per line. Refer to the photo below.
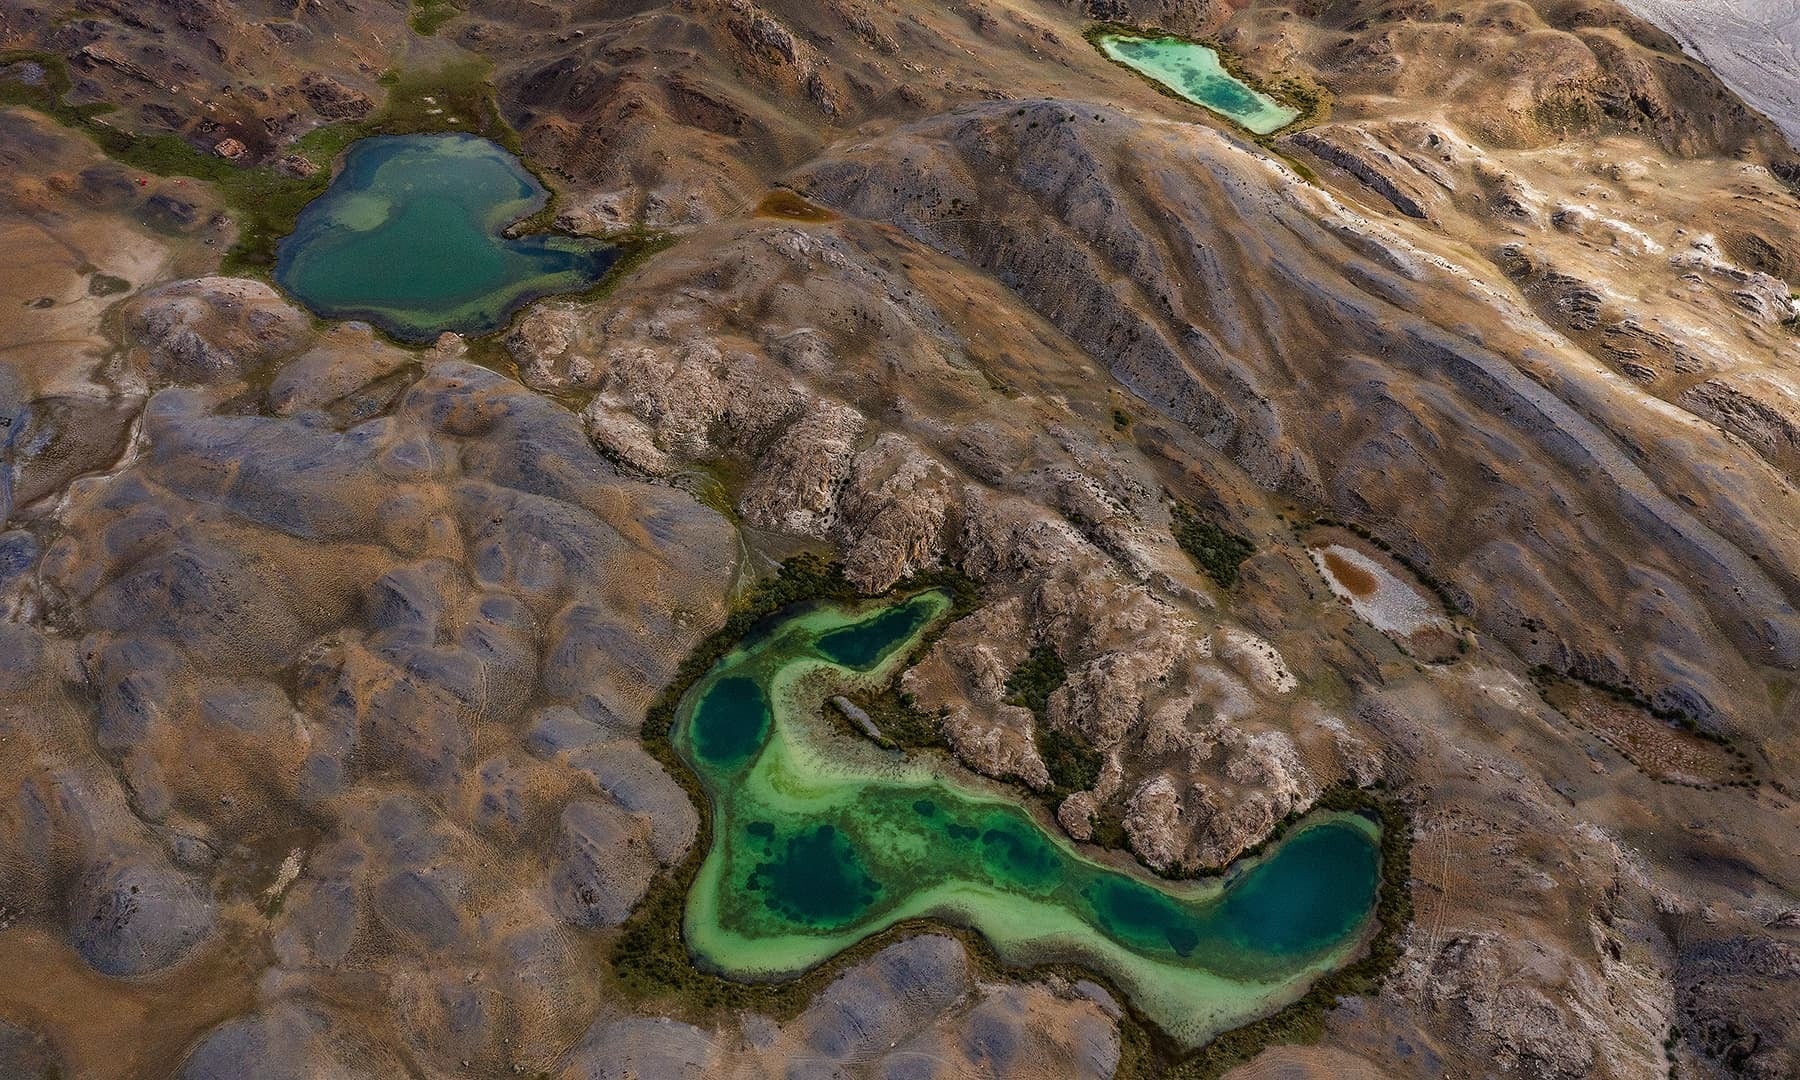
[820,839]
[1195,72]
[410,236]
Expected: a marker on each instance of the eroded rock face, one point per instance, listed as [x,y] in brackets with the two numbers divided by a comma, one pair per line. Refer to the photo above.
[372,629]
[1152,334]
[213,330]
[922,470]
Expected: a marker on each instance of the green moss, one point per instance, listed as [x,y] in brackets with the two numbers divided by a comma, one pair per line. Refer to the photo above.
[1213,549]
[1072,763]
[429,15]
[107,285]
[1109,828]
[1121,419]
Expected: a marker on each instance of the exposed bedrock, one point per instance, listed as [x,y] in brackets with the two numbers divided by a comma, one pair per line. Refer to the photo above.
[1160,247]
[342,682]
[913,1009]
[857,406]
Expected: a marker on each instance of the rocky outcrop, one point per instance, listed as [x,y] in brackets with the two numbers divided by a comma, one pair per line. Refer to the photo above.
[1521,1027]
[212,330]
[598,877]
[1733,997]
[799,481]
[136,915]
[332,100]
[407,632]
[1354,151]
[1087,240]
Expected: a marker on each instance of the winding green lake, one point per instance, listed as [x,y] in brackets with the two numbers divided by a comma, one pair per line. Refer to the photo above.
[1194,71]
[821,839]
[410,236]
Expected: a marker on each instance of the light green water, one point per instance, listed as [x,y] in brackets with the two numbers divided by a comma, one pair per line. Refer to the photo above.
[410,236]
[820,840]
[1194,71]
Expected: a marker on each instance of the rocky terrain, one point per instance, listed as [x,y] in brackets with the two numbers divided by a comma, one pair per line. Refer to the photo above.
[1753,45]
[325,659]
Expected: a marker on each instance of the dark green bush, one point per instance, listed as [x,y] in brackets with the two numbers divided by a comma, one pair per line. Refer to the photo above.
[1213,549]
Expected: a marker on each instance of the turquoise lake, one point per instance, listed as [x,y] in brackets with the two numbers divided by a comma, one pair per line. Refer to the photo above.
[1194,71]
[821,839]
[410,236]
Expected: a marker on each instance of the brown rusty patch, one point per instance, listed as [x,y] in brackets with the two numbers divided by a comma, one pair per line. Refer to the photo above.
[1359,582]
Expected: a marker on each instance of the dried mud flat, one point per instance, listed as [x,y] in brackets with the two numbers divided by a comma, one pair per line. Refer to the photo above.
[1383,594]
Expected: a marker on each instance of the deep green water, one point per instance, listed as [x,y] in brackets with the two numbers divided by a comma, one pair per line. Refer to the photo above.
[1194,71]
[410,237]
[821,840]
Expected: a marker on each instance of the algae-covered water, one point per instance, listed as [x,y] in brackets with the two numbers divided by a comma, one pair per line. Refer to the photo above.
[821,840]
[410,236]
[1195,72]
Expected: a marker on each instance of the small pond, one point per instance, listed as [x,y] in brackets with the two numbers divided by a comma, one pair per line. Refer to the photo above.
[821,839]
[411,237]
[1194,72]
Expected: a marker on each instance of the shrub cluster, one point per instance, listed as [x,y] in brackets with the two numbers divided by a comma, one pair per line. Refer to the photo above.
[1213,549]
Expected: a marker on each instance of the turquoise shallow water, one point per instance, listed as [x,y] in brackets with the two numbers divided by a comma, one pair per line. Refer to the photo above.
[820,841]
[1194,71]
[410,237]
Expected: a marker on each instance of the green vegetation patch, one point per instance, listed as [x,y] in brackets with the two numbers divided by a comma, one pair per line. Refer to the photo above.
[1213,549]
[1037,677]
[1073,764]
[429,15]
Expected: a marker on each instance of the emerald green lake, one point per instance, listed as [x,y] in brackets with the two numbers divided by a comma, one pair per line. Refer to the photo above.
[821,839]
[1193,71]
[410,237]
